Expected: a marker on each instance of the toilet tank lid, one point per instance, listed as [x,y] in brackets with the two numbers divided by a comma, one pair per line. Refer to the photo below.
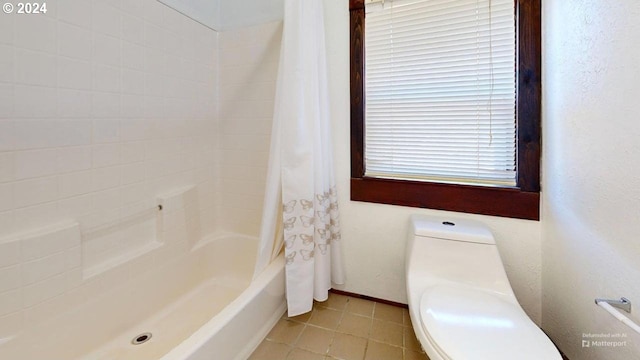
[452,229]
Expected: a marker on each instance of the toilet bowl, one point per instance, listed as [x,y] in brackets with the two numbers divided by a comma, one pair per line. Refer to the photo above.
[460,301]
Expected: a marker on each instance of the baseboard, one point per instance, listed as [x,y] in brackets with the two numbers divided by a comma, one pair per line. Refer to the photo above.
[371,298]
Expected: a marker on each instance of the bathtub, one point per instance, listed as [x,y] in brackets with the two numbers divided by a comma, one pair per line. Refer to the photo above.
[200,305]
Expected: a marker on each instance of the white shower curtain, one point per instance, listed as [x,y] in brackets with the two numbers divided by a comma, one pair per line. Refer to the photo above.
[301,207]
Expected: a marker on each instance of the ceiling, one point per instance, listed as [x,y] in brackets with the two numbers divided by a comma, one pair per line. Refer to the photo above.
[223,15]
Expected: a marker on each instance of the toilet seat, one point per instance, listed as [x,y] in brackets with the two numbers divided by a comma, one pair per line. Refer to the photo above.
[466,323]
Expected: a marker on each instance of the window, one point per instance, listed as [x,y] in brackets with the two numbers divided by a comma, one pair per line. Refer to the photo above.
[445,105]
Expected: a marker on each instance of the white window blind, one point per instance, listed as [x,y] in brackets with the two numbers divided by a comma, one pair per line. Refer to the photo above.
[440,91]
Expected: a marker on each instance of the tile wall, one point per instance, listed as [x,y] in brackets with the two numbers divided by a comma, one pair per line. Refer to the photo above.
[104,104]
[248,70]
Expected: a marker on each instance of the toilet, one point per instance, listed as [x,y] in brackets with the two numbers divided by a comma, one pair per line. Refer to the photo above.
[460,301]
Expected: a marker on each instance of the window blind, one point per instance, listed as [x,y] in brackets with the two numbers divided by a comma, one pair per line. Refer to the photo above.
[440,91]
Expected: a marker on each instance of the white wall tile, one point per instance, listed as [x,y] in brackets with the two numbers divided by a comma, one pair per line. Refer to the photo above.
[132,29]
[7,29]
[74,103]
[74,74]
[10,302]
[134,129]
[50,240]
[75,158]
[132,173]
[44,290]
[154,62]
[77,12]
[34,101]
[134,151]
[106,155]
[105,105]
[106,50]
[7,201]
[36,216]
[6,101]
[105,178]
[133,7]
[43,268]
[132,106]
[106,130]
[7,172]
[76,207]
[9,253]
[106,78]
[132,56]
[72,132]
[35,68]
[35,163]
[36,33]
[36,191]
[7,135]
[11,324]
[106,19]
[6,62]
[132,82]
[10,278]
[154,12]
[74,42]
[74,122]
[76,183]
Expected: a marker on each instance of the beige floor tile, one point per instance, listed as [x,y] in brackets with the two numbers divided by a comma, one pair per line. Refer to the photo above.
[414,355]
[335,302]
[379,351]
[410,340]
[406,318]
[286,332]
[315,339]
[387,332]
[360,307]
[388,313]
[299,354]
[355,325]
[268,350]
[325,317]
[364,330]
[348,347]
[300,318]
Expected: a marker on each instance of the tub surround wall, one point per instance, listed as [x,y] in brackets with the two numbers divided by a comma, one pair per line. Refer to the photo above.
[248,71]
[591,168]
[104,105]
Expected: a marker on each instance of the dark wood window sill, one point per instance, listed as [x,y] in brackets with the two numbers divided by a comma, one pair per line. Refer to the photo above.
[496,201]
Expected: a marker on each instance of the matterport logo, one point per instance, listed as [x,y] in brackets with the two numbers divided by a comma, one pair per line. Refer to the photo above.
[590,340]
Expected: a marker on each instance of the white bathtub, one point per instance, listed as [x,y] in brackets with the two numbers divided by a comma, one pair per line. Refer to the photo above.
[201,305]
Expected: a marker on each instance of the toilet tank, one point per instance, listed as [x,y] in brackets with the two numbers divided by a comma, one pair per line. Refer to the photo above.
[460,251]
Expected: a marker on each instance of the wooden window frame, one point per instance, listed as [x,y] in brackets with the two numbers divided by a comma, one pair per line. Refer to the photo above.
[521,201]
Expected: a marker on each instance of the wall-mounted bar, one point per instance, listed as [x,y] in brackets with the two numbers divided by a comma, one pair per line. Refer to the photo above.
[624,304]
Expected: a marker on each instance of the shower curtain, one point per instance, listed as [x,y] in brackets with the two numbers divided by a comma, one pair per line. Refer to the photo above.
[301,208]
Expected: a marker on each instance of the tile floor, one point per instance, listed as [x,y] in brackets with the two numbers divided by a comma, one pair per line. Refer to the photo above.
[344,328]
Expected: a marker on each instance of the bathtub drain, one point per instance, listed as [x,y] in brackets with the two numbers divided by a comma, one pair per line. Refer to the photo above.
[141,339]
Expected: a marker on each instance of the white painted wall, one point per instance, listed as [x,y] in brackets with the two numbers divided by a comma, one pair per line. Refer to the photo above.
[374,235]
[591,171]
